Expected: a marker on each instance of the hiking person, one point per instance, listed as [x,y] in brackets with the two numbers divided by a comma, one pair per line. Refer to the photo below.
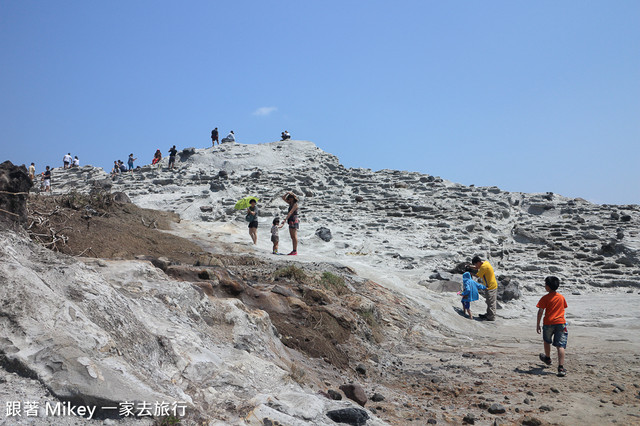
[66,161]
[46,179]
[470,293]
[172,157]
[130,161]
[292,220]
[32,172]
[252,218]
[214,137]
[76,162]
[554,328]
[484,271]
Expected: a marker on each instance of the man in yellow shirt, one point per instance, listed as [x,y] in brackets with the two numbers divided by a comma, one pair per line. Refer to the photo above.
[484,271]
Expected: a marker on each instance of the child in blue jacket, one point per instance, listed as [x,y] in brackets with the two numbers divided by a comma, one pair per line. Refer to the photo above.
[470,293]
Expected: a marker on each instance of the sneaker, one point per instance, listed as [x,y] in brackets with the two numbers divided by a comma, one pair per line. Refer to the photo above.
[293,253]
[546,360]
[561,371]
[275,252]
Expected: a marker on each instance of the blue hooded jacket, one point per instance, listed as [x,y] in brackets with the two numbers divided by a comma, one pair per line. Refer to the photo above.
[471,287]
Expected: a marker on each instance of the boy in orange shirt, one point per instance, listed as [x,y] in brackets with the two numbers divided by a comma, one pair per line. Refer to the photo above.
[554,329]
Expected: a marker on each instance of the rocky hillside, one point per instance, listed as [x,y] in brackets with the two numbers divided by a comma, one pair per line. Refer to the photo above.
[414,223]
[363,327]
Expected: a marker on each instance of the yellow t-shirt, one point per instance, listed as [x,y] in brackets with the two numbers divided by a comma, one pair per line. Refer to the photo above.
[488,276]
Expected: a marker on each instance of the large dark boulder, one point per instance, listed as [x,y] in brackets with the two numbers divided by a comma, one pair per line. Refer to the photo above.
[186,153]
[350,416]
[354,392]
[324,234]
[508,289]
[14,187]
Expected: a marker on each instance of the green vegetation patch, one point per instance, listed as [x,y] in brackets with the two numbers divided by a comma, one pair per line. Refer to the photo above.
[334,282]
[291,272]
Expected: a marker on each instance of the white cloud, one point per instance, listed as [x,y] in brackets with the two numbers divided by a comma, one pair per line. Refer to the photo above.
[264,111]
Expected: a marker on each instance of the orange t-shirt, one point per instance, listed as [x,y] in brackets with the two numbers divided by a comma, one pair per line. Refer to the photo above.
[554,304]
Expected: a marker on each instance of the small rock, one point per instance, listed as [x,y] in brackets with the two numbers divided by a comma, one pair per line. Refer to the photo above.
[350,416]
[621,387]
[555,390]
[432,421]
[526,401]
[469,419]
[546,408]
[121,197]
[216,186]
[283,291]
[355,393]
[359,199]
[361,369]
[335,395]
[377,397]
[531,421]
[497,409]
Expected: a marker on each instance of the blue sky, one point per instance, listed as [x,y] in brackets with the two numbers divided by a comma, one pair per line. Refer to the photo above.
[529,96]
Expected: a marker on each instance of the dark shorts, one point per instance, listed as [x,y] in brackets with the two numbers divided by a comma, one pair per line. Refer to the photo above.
[253,224]
[275,238]
[466,305]
[172,160]
[293,222]
[555,334]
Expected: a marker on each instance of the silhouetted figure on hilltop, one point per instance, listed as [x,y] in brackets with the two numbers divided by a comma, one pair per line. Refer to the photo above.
[214,137]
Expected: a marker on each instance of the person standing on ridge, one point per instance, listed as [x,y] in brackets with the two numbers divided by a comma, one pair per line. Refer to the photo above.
[66,161]
[76,162]
[172,157]
[130,161]
[32,172]
[292,220]
[46,179]
[214,137]
[484,271]
[252,218]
